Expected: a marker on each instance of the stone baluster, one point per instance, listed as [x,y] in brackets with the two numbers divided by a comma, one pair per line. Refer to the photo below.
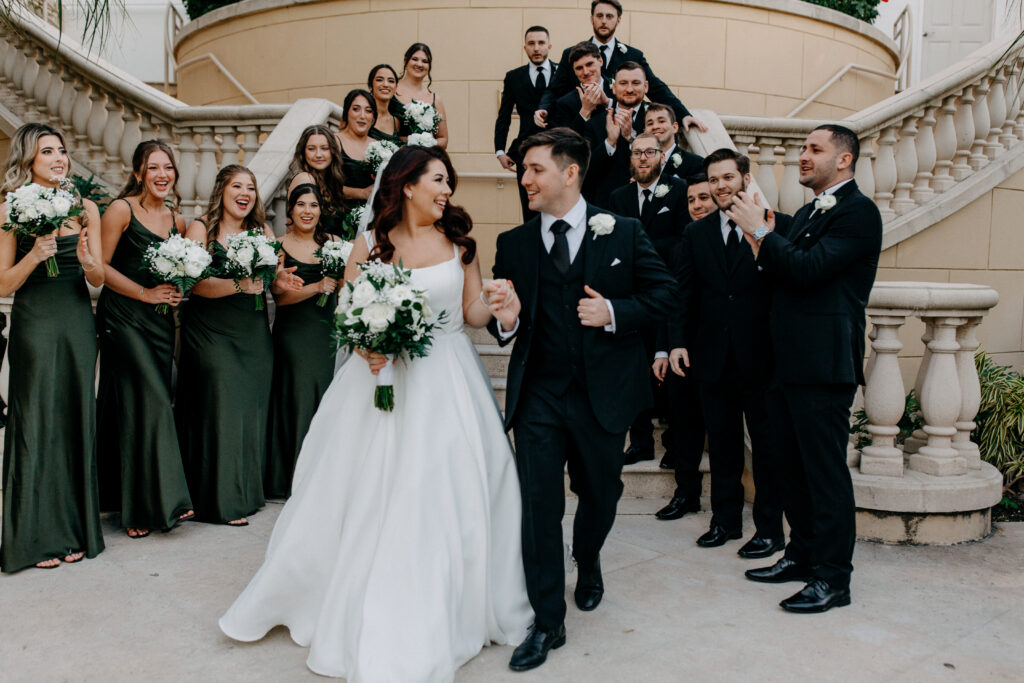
[883,397]
[188,163]
[864,173]
[250,142]
[981,122]
[41,87]
[945,145]
[80,117]
[791,193]
[8,70]
[55,91]
[970,393]
[766,170]
[885,173]
[1018,101]
[964,122]
[941,403]
[743,144]
[926,157]
[278,214]
[66,106]
[229,145]
[132,135]
[996,113]
[97,124]
[906,165]
[112,132]
[26,85]
[208,167]
[1007,138]
[919,438]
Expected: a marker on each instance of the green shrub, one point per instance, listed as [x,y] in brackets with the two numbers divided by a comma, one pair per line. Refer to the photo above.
[1000,430]
[911,421]
[865,10]
[197,8]
[89,188]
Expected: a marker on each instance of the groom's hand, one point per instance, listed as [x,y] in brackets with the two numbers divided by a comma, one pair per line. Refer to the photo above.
[503,302]
[593,310]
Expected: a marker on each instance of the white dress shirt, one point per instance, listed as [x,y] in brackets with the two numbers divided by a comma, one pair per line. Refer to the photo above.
[607,145]
[725,228]
[612,44]
[830,190]
[640,194]
[576,217]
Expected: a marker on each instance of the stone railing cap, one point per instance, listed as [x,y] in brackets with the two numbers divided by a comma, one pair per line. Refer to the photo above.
[932,296]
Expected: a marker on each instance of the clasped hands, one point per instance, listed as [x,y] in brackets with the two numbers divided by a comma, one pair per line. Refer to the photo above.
[504,304]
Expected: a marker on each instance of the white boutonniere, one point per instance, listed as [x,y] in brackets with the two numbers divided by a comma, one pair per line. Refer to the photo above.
[601,224]
[677,159]
[622,48]
[660,191]
[825,202]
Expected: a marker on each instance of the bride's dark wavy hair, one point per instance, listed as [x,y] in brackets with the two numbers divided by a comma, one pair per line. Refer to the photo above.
[406,167]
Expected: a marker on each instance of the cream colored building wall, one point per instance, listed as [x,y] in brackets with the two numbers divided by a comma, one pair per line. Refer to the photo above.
[983,244]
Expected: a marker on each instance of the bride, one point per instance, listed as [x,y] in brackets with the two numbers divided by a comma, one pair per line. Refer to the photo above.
[397,557]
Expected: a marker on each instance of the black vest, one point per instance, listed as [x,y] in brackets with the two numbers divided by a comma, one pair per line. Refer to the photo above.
[556,351]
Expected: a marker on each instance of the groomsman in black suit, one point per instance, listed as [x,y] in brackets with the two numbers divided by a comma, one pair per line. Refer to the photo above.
[822,268]
[575,108]
[661,120]
[574,286]
[720,338]
[604,19]
[659,202]
[522,90]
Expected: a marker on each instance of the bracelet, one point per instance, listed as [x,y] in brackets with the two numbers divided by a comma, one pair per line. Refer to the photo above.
[141,290]
[90,268]
[482,300]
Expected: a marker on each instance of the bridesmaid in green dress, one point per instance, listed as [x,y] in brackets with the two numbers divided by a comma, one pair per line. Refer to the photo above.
[50,500]
[142,475]
[358,115]
[383,82]
[303,349]
[318,161]
[225,366]
[415,83]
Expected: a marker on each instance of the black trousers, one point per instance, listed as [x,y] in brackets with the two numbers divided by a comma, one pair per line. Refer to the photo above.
[684,438]
[725,405]
[813,427]
[641,432]
[520,170]
[551,430]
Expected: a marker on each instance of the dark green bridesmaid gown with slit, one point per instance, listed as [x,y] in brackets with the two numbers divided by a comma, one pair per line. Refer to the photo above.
[141,471]
[303,369]
[50,494]
[224,373]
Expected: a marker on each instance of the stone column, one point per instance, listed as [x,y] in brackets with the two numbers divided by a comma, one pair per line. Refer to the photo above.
[941,403]
[970,390]
[884,398]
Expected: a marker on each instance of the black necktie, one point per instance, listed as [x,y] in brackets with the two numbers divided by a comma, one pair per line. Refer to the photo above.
[645,205]
[732,244]
[541,82]
[560,249]
[604,57]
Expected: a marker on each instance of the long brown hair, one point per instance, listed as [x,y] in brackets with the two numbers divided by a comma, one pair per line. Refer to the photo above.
[406,167]
[319,233]
[254,220]
[331,180]
[136,185]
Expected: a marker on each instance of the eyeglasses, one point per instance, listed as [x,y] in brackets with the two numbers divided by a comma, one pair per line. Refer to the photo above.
[650,153]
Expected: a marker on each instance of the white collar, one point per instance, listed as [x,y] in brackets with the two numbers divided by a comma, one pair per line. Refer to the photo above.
[652,187]
[611,43]
[724,222]
[546,64]
[575,217]
[833,189]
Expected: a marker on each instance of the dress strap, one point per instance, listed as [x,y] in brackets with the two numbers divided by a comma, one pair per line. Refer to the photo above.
[455,248]
[368,236]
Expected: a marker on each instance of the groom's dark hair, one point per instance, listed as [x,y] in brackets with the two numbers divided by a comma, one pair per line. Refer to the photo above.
[844,139]
[567,147]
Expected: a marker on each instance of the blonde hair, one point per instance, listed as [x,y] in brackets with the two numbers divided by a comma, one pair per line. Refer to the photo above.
[22,154]
[254,220]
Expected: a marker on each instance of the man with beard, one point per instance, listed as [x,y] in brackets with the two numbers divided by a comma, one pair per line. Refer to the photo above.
[522,90]
[822,268]
[604,19]
[661,121]
[720,337]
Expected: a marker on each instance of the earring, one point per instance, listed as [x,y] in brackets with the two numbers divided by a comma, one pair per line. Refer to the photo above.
[408,195]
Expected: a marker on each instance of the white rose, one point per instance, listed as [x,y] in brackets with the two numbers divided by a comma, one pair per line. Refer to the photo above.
[162,265]
[677,159]
[622,48]
[28,213]
[244,255]
[344,299]
[825,202]
[194,268]
[400,294]
[61,206]
[268,256]
[660,191]
[422,139]
[377,317]
[602,224]
[363,294]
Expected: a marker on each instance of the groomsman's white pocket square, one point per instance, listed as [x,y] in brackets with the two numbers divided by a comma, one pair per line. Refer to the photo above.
[664,209]
[616,262]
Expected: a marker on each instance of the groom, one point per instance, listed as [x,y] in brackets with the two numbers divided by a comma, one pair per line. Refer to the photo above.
[583,283]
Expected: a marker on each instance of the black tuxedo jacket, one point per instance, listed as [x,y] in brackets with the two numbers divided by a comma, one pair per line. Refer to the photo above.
[822,270]
[690,164]
[517,92]
[565,80]
[606,173]
[722,304]
[667,217]
[624,268]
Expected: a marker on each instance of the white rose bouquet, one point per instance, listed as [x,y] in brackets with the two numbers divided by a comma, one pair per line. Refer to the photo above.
[384,312]
[333,257]
[422,139]
[250,254]
[379,151]
[421,118]
[34,210]
[178,261]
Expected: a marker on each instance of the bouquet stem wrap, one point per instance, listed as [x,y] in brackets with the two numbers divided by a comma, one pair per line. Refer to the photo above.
[51,267]
[384,394]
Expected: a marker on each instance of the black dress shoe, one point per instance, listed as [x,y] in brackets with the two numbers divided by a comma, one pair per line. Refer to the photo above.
[782,571]
[589,587]
[533,651]
[677,507]
[635,454]
[667,462]
[716,536]
[760,546]
[816,596]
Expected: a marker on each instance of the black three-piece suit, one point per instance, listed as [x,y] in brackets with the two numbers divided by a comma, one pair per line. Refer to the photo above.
[607,172]
[573,391]
[722,321]
[822,269]
[519,92]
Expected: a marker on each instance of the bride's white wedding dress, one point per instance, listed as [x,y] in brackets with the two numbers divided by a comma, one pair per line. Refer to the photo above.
[398,555]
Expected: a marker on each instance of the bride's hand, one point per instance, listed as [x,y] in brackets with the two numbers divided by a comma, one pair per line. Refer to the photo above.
[376,361]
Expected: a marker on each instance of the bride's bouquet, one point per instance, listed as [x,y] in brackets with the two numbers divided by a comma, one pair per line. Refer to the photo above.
[34,211]
[421,118]
[178,261]
[250,254]
[384,312]
[378,152]
[333,257]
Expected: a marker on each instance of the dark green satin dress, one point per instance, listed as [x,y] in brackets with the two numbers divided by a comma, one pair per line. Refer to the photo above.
[303,369]
[396,109]
[141,471]
[224,372]
[50,494]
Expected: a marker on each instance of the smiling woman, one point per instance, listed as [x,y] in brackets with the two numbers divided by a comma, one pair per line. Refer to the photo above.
[415,85]
[359,114]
